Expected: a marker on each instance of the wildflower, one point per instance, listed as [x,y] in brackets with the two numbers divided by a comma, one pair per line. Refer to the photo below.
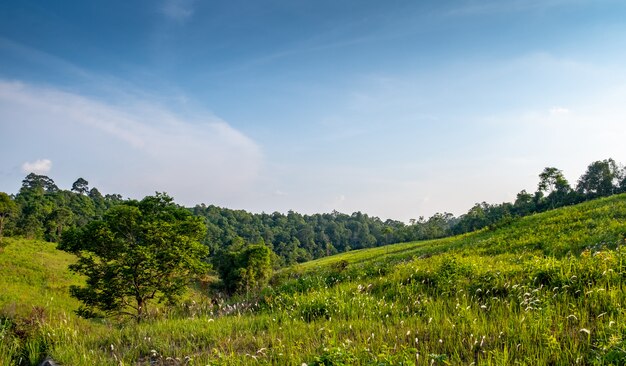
[584,330]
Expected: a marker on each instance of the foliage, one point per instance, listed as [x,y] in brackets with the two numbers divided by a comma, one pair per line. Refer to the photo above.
[81,186]
[8,208]
[545,289]
[296,238]
[45,211]
[138,252]
[601,179]
[247,269]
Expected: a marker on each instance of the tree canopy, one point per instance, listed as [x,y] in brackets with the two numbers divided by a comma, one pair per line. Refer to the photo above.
[246,269]
[139,251]
[45,211]
[602,178]
[7,208]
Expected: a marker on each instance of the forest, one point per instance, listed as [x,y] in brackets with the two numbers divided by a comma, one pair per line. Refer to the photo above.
[155,283]
[41,210]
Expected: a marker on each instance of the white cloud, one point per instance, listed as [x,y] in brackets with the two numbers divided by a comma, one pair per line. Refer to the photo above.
[134,149]
[559,111]
[41,166]
[177,10]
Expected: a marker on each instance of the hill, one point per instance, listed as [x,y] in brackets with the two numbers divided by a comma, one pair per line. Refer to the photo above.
[34,274]
[543,289]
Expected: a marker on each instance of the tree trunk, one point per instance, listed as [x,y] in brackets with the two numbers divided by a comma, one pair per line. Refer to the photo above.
[140,309]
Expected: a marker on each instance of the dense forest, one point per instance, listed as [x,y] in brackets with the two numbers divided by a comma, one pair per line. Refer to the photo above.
[44,211]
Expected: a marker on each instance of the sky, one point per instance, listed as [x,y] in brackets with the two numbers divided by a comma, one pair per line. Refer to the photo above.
[397,109]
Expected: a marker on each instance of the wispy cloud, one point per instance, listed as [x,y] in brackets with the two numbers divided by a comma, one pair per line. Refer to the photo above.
[177,10]
[473,7]
[133,149]
[41,166]
[559,111]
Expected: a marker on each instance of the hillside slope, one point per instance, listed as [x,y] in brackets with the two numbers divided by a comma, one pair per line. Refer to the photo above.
[34,274]
[544,289]
[556,233]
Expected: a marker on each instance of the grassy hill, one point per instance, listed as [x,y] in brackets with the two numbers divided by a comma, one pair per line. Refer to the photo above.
[544,289]
[34,274]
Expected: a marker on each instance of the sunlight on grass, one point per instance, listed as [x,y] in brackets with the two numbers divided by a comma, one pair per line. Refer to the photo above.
[545,289]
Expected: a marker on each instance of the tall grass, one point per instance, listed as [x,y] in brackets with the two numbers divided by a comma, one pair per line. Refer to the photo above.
[545,289]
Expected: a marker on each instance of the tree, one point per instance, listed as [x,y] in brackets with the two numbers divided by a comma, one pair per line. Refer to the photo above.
[58,220]
[81,186]
[246,269]
[554,186]
[138,252]
[36,200]
[524,203]
[38,182]
[8,208]
[601,179]
[552,180]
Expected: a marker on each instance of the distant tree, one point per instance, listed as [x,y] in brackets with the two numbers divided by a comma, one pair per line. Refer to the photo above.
[554,187]
[35,203]
[552,180]
[58,220]
[82,207]
[99,203]
[247,269]
[602,178]
[524,203]
[138,252]
[8,208]
[438,225]
[39,182]
[113,199]
[81,186]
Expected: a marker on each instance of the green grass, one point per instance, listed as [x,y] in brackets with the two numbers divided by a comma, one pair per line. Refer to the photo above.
[547,289]
[34,274]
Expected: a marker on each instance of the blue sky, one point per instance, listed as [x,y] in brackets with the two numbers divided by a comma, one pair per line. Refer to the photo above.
[397,108]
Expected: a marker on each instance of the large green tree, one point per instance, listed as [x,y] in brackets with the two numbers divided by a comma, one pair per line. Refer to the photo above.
[139,252]
[601,179]
[8,208]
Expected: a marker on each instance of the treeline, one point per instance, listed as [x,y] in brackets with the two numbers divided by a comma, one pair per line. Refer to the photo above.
[41,210]
[602,178]
[296,238]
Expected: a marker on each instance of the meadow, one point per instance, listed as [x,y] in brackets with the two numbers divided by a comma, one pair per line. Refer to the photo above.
[547,289]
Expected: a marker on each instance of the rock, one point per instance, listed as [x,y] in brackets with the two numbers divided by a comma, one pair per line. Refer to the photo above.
[48,362]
